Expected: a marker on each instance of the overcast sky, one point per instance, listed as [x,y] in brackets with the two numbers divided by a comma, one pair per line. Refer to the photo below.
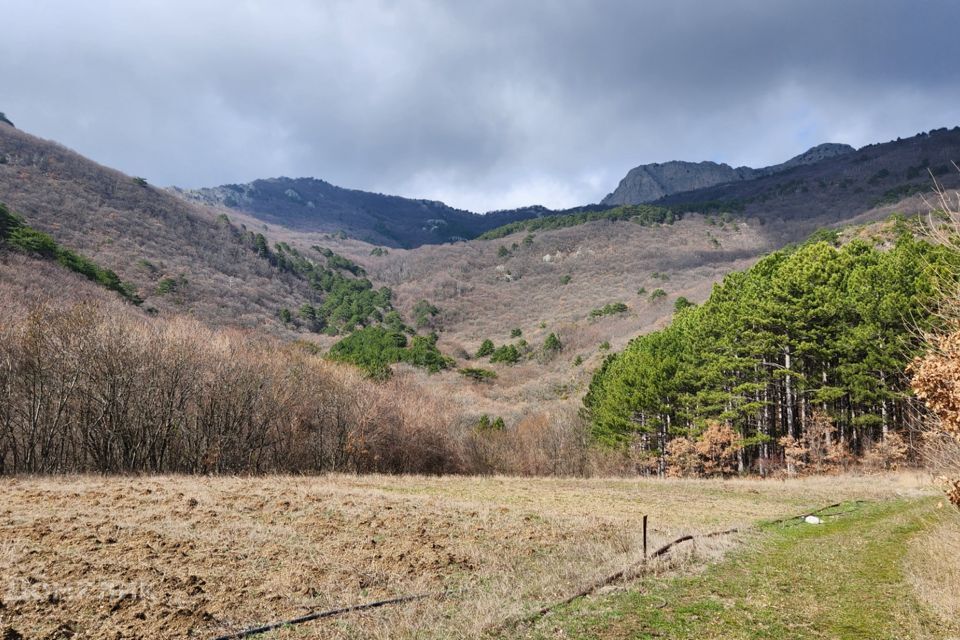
[484,104]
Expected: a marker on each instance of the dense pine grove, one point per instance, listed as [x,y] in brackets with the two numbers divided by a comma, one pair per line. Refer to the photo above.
[809,332]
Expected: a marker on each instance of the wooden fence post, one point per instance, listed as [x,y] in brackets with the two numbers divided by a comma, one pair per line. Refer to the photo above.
[644,537]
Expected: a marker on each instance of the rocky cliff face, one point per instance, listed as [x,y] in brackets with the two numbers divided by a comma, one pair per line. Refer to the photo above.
[650,182]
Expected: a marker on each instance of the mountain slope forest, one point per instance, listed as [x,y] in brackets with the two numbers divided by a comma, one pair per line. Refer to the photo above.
[800,358]
[497,338]
[308,204]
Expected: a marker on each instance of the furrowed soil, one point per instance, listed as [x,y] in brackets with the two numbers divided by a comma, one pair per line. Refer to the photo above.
[172,557]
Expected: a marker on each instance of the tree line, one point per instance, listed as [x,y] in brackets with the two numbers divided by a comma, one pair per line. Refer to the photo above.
[806,349]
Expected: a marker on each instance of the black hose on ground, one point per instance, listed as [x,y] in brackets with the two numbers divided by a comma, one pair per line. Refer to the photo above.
[316,615]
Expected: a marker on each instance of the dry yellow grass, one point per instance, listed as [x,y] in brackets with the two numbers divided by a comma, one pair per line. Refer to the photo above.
[166,557]
[933,566]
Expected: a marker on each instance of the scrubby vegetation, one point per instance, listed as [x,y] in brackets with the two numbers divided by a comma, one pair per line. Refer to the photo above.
[806,349]
[423,313]
[681,303]
[645,215]
[552,343]
[506,354]
[15,233]
[375,348]
[609,310]
[486,348]
[478,374]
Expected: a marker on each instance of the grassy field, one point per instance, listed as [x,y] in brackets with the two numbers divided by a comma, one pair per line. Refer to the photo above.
[844,579]
[167,557]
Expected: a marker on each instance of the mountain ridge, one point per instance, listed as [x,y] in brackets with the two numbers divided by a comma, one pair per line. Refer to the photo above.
[316,205]
[650,182]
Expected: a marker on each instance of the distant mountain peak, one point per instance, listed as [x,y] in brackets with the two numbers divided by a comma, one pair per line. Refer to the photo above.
[650,182]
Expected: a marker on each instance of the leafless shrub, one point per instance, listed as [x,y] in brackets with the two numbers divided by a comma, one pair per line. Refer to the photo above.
[936,375]
[91,389]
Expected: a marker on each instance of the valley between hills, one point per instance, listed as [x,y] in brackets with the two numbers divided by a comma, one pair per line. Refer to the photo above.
[296,397]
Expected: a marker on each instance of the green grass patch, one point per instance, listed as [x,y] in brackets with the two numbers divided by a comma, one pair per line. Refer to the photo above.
[842,579]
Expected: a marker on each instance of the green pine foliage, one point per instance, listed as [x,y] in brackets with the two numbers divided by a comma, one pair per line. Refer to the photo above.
[375,348]
[641,214]
[15,233]
[609,309]
[478,374]
[334,260]
[423,313]
[486,424]
[349,299]
[814,327]
[552,343]
[680,304]
[507,354]
[486,348]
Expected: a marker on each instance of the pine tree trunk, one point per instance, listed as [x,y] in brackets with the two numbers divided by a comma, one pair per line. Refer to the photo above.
[788,382]
[662,463]
[883,407]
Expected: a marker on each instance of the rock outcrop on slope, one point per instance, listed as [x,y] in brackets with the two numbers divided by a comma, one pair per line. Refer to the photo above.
[650,182]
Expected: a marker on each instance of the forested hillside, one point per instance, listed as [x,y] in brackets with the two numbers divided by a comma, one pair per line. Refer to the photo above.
[309,204]
[800,358]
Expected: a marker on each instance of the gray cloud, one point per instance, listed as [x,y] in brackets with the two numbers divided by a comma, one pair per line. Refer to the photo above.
[483,105]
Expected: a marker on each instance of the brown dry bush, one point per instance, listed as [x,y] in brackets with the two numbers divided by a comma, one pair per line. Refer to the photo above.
[682,458]
[712,453]
[886,454]
[717,448]
[794,453]
[92,388]
[553,443]
[936,375]
[936,381]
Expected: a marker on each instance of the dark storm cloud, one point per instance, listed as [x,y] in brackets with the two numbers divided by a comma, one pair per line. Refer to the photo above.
[484,105]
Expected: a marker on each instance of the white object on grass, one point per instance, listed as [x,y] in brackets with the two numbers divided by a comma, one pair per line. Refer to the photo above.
[813,520]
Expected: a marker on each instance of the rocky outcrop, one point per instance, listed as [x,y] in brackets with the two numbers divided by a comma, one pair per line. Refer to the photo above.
[650,182]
